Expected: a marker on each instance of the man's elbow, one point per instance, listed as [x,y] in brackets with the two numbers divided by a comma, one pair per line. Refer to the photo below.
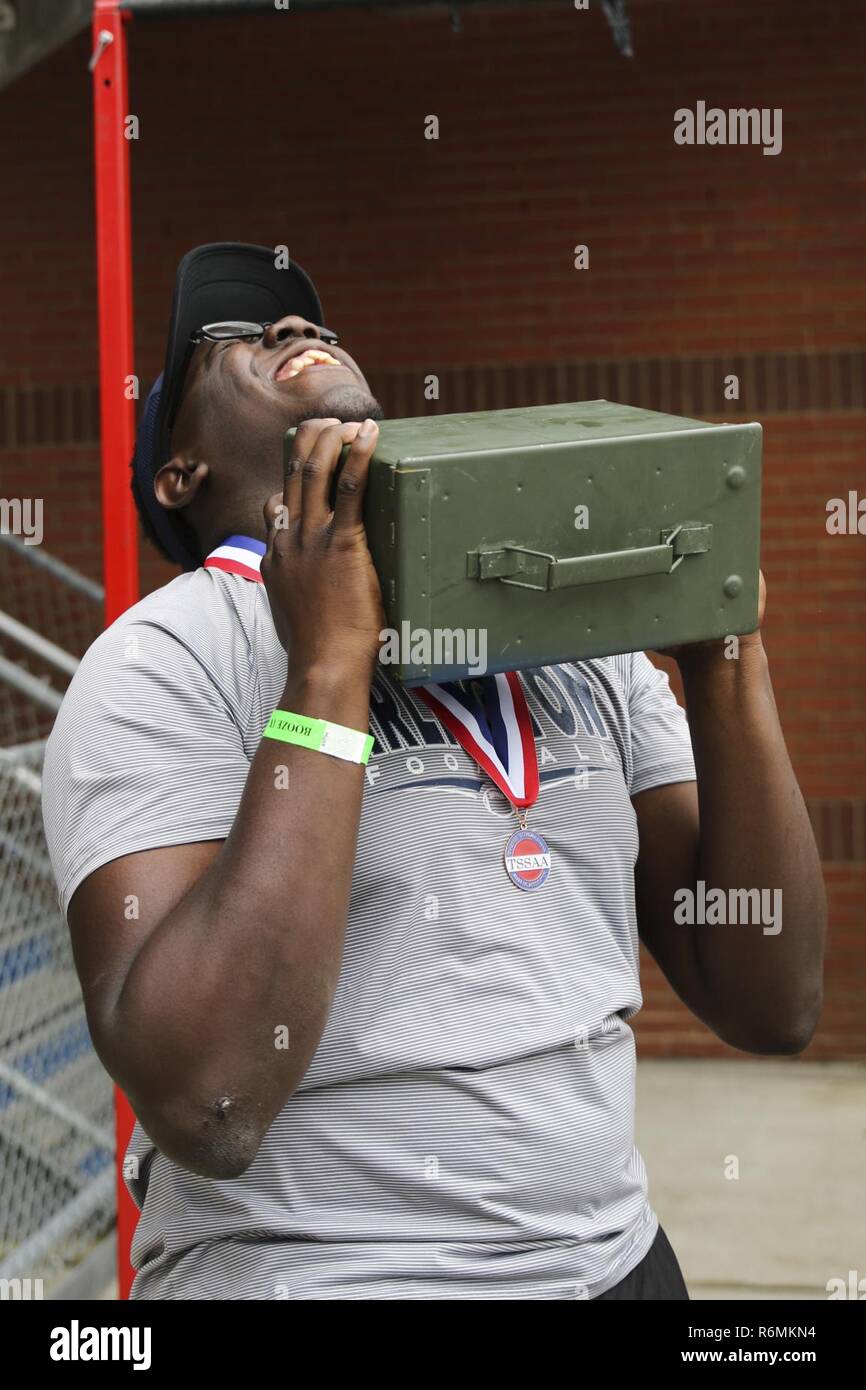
[784,1035]
[218,1140]
[787,1042]
[217,1163]
[212,1133]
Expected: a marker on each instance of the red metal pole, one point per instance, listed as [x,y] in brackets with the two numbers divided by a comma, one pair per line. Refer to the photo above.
[116,407]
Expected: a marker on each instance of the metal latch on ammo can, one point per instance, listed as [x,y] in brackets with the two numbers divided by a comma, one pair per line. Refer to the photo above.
[539,570]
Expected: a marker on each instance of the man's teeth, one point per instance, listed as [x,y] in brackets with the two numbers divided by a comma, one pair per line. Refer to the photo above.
[313,357]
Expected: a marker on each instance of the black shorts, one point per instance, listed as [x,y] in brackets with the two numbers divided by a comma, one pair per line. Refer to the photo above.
[657,1276]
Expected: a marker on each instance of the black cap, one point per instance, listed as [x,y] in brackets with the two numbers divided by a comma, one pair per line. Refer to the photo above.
[223,280]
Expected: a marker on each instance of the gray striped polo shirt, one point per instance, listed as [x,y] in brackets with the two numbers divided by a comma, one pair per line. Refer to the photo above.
[465,1129]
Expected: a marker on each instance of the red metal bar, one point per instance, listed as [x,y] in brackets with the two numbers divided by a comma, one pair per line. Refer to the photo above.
[116,408]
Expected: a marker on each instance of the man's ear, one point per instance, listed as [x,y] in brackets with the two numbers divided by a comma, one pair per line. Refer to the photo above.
[179,481]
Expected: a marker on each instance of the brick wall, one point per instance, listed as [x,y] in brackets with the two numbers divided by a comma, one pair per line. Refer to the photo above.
[456,256]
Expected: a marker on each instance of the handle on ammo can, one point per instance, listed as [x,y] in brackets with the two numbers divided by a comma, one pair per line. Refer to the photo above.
[543,571]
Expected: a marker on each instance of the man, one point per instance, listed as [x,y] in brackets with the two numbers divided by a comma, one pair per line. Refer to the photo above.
[365,1064]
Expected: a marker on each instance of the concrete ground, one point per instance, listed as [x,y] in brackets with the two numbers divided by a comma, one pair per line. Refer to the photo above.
[757,1170]
[794,1133]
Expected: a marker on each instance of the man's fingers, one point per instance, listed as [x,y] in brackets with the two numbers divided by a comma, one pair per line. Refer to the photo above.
[273,509]
[352,482]
[317,473]
[762,596]
[305,439]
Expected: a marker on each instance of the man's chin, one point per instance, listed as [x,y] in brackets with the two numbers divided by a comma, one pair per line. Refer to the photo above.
[347,403]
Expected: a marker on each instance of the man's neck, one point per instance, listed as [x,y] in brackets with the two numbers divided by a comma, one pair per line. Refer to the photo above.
[251,525]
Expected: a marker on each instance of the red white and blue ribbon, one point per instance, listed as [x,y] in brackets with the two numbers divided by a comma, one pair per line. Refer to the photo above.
[495,728]
[238,555]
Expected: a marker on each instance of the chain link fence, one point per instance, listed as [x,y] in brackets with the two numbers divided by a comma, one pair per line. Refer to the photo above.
[56,1112]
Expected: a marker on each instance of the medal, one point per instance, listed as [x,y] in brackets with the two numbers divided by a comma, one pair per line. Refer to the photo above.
[491,722]
[527,858]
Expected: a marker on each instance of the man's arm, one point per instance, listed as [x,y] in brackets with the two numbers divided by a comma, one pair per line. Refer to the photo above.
[743,826]
[237,942]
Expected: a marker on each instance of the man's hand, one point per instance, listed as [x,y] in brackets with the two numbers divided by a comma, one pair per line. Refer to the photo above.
[318,571]
[686,650]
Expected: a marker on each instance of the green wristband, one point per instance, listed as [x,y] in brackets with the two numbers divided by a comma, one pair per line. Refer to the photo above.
[317,734]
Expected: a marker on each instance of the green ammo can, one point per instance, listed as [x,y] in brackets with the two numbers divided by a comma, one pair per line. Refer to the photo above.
[561,532]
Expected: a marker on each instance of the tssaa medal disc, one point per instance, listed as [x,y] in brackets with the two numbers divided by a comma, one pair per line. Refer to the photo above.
[527,860]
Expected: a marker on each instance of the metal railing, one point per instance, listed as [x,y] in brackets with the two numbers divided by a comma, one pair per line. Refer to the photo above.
[56,1122]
